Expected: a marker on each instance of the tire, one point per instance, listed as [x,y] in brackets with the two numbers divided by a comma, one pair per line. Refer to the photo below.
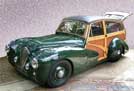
[117,55]
[59,74]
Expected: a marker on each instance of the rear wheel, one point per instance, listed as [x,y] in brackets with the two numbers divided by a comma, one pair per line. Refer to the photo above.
[59,74]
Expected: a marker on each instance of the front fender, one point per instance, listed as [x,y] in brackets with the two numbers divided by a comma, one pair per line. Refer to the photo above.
[81,59]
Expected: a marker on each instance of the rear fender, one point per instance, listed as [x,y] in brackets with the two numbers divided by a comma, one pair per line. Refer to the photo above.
[115,44]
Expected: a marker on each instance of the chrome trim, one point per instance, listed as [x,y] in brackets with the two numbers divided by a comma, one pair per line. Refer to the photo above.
[24,56]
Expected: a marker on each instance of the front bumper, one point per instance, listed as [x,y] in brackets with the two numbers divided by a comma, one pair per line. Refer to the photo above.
[39,75]
[28,74]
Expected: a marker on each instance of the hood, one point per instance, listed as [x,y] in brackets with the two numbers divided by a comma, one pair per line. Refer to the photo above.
[57,40]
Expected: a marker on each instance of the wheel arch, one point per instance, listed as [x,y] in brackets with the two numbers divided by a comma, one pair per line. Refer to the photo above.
[72,65]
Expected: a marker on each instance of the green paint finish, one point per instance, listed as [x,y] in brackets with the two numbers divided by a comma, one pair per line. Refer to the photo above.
[50,49]
[81,58]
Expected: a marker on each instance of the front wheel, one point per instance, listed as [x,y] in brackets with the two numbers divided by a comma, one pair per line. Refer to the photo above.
[59,73]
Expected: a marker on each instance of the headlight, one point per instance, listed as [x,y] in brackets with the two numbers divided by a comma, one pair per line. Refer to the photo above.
[15,59]
[34,63]
[27,66]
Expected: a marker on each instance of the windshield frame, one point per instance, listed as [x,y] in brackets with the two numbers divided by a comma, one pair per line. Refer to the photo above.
[85,32]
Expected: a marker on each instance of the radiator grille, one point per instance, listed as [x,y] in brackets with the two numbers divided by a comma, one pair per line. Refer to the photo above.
[24,56]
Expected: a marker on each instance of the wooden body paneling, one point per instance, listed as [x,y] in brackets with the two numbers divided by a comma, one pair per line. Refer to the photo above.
[97,44]
[101,43]
[120,34]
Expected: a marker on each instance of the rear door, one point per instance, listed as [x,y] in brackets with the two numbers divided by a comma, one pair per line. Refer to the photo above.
[96,39]
[114,29]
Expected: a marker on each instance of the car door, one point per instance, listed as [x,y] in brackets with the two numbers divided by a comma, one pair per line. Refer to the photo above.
[97,39]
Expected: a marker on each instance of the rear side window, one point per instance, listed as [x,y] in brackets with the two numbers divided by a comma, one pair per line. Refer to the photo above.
[113,27]
[96,29]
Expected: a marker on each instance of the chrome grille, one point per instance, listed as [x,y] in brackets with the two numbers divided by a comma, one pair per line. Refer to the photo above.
[24,56]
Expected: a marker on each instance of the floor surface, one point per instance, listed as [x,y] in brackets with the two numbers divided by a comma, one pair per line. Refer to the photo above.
[118,76]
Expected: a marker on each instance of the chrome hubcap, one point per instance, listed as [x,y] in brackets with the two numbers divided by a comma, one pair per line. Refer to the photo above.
[60,72]
[118,52]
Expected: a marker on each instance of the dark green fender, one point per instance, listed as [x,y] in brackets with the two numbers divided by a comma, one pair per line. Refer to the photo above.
[81,59]
[115,44]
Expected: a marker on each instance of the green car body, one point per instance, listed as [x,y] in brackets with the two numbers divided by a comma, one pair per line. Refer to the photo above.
[50,49]
[46,51]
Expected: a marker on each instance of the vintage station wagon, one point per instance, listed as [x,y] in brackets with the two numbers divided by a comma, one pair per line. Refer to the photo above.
[80,42]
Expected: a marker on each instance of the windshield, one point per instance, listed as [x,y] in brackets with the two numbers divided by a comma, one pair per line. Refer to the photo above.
[73,27]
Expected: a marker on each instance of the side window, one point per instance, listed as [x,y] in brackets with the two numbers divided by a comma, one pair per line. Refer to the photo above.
[113,27]
[96,29]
